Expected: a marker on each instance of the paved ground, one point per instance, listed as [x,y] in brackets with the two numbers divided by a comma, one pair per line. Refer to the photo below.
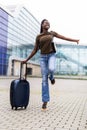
[67,109]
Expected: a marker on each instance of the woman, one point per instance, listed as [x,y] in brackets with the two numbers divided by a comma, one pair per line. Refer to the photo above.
[47,57]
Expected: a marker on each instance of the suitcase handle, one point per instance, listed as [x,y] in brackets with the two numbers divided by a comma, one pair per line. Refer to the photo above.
[21,69]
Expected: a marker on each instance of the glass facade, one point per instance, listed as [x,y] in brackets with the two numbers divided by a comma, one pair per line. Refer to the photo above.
[3,42]
[17,38]
[22,31]
[71,59]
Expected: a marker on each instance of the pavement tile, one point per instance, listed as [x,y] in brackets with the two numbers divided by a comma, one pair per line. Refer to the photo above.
[67,109]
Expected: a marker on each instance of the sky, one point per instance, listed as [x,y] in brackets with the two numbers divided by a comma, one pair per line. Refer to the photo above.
[66,17]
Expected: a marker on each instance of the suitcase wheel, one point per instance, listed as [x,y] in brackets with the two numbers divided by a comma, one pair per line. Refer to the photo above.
[14,108]
[25,107]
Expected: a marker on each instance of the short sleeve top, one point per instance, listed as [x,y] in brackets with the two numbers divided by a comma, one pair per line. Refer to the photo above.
[44,42]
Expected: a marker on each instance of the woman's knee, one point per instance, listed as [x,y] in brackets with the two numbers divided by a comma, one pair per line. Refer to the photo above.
[51,69]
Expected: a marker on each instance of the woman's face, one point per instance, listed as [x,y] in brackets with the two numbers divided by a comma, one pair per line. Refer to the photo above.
[46,25]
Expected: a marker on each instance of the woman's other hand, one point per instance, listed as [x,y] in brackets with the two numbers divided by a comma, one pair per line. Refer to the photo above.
[77,41]
[24,61]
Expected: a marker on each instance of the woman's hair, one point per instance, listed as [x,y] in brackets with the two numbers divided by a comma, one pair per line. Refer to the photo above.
[41,29]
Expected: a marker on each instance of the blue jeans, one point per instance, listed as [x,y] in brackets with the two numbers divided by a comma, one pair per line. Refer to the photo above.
[47,62]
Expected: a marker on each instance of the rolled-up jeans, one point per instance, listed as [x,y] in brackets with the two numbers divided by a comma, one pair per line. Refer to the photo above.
[47,62]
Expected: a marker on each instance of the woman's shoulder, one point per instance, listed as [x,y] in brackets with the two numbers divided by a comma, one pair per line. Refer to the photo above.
[53,33]
[39,35]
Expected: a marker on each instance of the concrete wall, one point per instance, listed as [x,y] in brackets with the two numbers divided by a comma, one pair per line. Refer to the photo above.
[14,68]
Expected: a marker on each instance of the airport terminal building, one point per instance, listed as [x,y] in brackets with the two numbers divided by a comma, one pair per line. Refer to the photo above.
[18,30]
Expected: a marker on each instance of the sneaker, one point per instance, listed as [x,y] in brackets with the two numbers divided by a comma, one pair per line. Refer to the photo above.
[53,81]
[44,106]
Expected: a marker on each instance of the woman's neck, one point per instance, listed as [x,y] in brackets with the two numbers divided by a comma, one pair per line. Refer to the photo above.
[45,30]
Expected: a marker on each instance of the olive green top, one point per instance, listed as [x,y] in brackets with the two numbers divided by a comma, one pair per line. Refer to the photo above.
[44,42]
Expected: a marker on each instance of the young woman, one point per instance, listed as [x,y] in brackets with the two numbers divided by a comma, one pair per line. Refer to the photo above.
[47,57]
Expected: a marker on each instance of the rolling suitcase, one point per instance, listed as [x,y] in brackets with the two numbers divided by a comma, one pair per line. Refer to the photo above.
[20,91]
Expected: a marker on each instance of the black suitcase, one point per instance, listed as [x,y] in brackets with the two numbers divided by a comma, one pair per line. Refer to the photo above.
[19,92]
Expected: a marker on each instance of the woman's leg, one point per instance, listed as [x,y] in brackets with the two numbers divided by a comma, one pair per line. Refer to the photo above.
[51,65]
[44,72]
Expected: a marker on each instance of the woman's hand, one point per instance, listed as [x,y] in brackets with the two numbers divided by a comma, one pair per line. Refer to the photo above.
[77,41]
[24,61]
